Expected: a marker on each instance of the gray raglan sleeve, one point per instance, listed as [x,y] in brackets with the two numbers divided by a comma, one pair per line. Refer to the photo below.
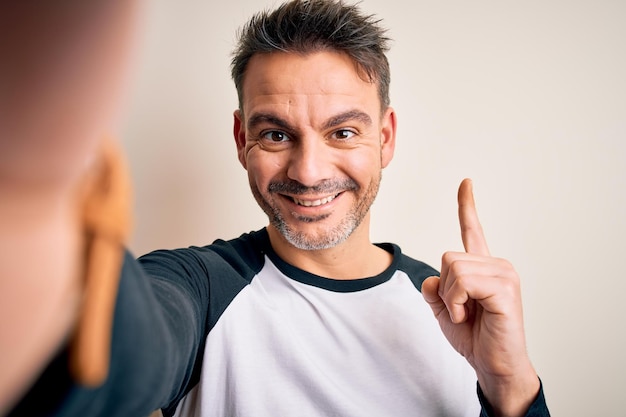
[159,328]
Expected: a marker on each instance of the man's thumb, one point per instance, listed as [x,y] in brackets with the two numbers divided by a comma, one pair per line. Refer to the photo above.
[430,291]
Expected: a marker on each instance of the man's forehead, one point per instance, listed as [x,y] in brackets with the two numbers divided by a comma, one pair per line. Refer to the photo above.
[291,78]
[284,70]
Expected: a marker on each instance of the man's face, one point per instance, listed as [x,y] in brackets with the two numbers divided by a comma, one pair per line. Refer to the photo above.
[314,141]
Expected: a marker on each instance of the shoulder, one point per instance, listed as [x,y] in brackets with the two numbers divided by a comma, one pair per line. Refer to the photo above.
[416,270]
[243,255]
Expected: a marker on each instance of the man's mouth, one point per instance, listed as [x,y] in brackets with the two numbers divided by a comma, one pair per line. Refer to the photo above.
[314,203]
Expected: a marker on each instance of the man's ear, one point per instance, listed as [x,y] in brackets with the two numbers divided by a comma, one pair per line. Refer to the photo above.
[239,132]
[388,136]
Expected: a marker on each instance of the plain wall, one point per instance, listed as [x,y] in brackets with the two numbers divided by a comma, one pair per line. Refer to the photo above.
[527,98]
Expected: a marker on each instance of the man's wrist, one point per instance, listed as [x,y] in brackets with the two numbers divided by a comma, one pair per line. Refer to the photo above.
[510,396]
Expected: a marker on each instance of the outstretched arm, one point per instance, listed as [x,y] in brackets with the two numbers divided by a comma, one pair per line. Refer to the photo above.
[477,301]
[61,72]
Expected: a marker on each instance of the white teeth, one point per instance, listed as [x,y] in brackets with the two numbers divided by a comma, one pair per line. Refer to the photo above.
[314,203]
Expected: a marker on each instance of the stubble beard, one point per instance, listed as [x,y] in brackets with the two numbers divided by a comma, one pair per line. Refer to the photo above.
[329,237]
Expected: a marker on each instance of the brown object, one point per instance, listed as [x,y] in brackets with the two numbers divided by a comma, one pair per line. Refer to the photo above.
[107,208]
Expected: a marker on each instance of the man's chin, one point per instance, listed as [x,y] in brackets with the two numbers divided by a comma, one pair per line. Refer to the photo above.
[311,244]
[310,219]
[312,241]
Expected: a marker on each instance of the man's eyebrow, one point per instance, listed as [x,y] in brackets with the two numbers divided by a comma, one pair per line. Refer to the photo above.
[347,116]
[260,118]
[339,119]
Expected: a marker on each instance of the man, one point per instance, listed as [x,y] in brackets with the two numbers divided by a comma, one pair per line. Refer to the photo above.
[306,316]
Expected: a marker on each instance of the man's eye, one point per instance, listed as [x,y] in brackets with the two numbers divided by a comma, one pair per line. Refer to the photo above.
[275,136]
[343,134]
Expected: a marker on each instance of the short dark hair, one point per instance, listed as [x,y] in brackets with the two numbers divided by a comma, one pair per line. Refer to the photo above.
[304,26]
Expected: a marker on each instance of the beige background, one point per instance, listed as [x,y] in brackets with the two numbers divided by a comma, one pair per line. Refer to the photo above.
[528,98]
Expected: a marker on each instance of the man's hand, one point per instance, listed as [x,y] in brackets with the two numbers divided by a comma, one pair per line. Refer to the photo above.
[63,72]
[477,301]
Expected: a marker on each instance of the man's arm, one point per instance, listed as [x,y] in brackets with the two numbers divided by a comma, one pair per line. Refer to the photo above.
[62,68]
[477,302]
[538,408]
[133,335]
[158,331]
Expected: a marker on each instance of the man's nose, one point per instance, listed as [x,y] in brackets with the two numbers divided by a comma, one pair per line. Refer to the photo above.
[311,161]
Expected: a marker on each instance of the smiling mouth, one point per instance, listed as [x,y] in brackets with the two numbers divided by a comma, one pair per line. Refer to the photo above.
[314,203]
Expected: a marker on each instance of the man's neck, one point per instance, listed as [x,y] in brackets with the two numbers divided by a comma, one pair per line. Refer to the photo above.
[354,258]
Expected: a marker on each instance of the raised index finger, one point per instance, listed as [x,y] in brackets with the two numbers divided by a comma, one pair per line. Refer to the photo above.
[471,231]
